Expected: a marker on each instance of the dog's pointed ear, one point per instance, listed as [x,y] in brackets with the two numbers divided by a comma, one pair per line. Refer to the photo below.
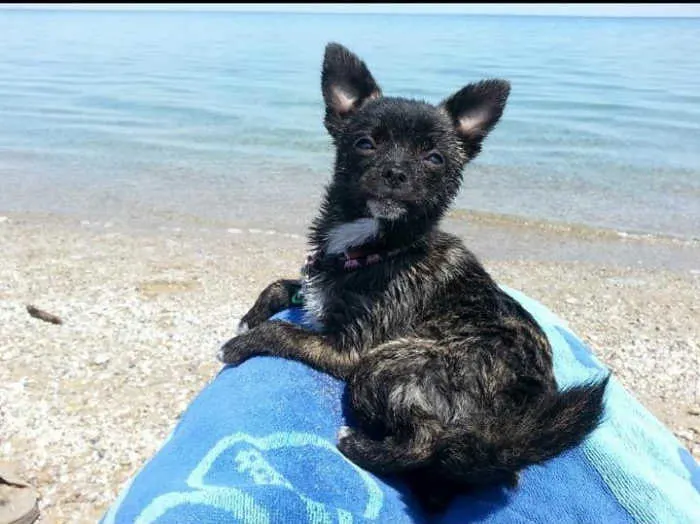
[346,83]
[475,110]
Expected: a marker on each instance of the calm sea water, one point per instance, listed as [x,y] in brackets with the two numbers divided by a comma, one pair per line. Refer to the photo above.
[170,116]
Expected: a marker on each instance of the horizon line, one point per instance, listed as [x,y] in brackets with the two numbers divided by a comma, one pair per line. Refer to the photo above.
[515,10]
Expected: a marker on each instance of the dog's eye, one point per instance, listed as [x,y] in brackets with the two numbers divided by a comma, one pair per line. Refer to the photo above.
[435,159]
[365,144]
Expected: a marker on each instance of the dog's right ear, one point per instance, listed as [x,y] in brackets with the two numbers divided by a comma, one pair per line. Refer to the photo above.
[347,85]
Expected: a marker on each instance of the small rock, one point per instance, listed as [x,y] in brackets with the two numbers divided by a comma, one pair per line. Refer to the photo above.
[101,359]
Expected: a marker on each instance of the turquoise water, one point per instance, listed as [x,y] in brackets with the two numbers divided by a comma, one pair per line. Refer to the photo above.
[218,115]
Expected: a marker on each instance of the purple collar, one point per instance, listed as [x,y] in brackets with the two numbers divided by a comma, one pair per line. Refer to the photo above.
[349,261]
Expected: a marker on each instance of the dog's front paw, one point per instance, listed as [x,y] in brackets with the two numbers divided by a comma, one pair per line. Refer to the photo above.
[235,351]
[346,441]
[242,327]
[253,318]
[344,432]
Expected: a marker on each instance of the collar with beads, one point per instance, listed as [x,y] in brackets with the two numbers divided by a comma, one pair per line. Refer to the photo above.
[349,261]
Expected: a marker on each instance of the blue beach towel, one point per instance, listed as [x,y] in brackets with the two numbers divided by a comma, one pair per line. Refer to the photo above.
[258,446]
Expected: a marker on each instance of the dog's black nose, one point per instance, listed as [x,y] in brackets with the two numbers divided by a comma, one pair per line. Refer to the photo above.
[394,176]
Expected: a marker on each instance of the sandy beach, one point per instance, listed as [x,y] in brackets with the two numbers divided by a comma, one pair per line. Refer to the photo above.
[85,403]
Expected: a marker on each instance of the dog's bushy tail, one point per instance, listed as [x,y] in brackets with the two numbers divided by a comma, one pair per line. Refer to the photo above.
[506,443]
[491,448]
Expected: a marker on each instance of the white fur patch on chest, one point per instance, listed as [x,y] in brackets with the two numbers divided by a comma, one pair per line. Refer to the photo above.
[314,300]
[351,234]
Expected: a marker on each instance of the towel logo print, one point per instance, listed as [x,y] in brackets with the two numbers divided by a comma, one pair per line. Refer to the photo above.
[252,462]
[247,455]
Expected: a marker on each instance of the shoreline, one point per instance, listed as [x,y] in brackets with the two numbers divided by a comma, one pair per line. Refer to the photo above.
[145,310]
[489,235]
[572,228]
[471,217]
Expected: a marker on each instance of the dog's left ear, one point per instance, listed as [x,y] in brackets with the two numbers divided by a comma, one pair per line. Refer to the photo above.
[347,85]
[475,110]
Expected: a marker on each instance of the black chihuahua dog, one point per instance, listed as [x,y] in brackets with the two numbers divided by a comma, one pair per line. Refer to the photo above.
[450,379]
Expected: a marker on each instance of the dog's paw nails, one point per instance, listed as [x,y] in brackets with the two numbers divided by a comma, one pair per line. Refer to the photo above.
[242,327]
[232,352]
[346,442]
[343,433]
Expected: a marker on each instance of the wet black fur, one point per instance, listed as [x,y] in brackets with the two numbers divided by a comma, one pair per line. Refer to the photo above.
[450,380]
